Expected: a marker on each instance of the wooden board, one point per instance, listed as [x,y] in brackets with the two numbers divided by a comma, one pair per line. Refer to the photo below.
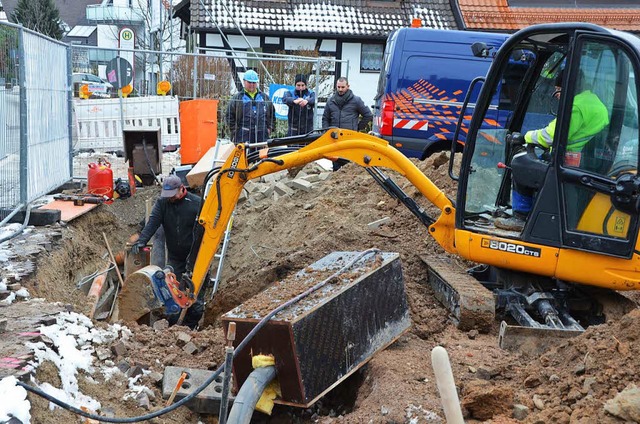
[68,209]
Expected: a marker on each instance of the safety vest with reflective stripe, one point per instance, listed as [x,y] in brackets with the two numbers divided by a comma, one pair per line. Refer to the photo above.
[588,117]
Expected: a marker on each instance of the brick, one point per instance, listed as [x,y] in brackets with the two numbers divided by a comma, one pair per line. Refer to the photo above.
[266,190]
[119,349]
[300,184]
[207,401]
[324,176]
[376,224]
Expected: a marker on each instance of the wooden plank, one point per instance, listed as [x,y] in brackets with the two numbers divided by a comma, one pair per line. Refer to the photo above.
[68,209]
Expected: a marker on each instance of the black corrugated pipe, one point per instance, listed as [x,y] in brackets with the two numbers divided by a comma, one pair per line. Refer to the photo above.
[249,394]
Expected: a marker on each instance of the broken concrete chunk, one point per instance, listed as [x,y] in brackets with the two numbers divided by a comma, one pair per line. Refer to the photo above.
[123,366]
[160,325]
[3,325]
[134,371]
[183,338]
[155,376]
[626,404]
[103,353]
[143,400]
[190,348]
[520,412]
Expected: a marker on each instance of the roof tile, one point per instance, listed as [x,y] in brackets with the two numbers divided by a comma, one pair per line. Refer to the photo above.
[497,15]
[348,17]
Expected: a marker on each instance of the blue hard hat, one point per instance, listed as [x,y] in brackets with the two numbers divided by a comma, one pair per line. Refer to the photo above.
[251,76]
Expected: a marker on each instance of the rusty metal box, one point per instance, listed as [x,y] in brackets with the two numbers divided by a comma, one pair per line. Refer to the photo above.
[322,339]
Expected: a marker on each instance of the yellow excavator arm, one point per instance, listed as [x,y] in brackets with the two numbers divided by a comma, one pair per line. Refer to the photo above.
[360,148]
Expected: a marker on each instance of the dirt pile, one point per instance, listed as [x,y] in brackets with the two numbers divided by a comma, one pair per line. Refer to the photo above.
[271,239]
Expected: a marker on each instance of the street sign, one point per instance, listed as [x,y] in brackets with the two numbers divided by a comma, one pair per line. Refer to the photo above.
[127,40]
[126,72]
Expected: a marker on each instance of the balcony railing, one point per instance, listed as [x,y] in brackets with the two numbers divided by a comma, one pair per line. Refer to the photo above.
[99,13]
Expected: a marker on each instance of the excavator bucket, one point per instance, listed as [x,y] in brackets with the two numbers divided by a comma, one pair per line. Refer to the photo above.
[138,298]
[533,341]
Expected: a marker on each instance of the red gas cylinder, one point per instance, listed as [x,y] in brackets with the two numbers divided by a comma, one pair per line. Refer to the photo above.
[100,179]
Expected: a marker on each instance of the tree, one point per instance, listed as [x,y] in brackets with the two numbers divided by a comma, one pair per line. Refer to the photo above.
[39,15]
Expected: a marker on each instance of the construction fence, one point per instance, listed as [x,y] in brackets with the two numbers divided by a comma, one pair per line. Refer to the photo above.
[211,74]
[60,101]
[35,116]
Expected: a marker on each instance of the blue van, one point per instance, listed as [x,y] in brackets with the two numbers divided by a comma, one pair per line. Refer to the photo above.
[426,74]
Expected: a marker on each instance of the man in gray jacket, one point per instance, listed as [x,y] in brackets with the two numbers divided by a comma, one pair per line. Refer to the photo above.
[345,110]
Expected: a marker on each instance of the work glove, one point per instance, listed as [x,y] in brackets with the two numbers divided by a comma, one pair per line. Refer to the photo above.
[135,249]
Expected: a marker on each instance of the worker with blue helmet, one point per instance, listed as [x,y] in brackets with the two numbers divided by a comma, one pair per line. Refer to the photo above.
[250,114]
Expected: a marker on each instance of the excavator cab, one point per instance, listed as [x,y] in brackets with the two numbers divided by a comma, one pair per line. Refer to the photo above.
[584,187]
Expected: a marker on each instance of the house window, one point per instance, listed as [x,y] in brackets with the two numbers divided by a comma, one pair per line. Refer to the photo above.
[371,57]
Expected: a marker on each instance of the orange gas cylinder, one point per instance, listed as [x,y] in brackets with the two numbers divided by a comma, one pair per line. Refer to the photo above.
[100,179]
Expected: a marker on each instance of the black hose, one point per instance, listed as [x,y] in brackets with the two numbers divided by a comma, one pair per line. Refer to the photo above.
[215,374]
[245,402]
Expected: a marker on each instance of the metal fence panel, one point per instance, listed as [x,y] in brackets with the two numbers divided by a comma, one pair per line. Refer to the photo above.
[35,154]
[9,120]
[214,74]
[47,101]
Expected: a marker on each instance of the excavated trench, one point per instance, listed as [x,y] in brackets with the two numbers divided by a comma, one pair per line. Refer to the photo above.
[275,237]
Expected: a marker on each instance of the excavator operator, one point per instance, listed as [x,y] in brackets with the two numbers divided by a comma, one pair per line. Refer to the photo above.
[588,117]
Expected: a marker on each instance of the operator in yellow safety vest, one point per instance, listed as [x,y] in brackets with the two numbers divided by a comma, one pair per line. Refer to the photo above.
[589,116]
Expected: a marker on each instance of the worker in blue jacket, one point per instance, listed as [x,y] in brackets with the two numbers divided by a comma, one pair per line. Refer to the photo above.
[250,115]
[301,107]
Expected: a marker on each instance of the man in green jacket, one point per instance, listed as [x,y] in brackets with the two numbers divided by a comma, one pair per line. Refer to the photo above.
[589,116]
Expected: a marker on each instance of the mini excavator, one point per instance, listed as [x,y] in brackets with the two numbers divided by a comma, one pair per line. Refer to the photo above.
[580,237]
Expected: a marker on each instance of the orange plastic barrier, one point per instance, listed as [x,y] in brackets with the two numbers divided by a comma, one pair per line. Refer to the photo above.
[198,129]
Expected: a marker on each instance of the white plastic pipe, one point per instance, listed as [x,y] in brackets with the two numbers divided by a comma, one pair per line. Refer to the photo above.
[446,385]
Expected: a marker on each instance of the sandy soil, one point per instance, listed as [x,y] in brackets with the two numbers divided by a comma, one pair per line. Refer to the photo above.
[273,239]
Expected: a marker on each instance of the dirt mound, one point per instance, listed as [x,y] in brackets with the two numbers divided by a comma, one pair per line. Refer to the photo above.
[273,238]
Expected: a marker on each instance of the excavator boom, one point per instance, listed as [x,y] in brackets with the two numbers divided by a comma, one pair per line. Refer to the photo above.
[363,149]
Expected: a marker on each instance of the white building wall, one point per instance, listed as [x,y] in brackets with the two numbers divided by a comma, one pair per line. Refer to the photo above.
[363,84]
[108,36]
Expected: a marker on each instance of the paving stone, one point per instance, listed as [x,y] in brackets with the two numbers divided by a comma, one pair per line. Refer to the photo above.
[312,178]
[300,184]
[283,190]
[207,401]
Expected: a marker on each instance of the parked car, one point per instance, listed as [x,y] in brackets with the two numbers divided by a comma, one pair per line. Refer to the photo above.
[97,86]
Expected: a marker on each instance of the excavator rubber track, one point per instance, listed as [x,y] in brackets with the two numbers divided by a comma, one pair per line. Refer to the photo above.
[471,304]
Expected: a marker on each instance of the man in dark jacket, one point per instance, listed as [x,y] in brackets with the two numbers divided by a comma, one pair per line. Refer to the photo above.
[176,210]
[345,110]
[250,115]
[301,103]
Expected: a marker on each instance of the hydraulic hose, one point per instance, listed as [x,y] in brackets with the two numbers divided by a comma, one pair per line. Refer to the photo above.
[249,394]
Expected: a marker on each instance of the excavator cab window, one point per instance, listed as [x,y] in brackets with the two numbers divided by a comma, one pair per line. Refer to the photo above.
[610,156]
